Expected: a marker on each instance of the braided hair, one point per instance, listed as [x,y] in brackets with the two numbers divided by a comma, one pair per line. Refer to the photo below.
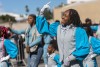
[74,17]
[4,31]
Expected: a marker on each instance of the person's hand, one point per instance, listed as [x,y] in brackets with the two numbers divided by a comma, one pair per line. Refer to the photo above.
[93,56]
[67,62]
[27,49]
[68,59]
[45,7]
[4,58]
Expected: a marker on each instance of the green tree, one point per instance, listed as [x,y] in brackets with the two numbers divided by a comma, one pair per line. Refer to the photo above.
[38,10]
[48,14]
[61,5]
[6,18]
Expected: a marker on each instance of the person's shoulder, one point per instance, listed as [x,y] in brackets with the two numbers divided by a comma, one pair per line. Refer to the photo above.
[6,41]
[59,26]
[80,31]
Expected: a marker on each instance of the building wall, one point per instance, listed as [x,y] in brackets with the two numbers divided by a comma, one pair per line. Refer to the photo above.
[71,1]
[89,9]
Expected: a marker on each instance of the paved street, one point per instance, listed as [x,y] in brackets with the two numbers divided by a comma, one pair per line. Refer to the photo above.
[42,65]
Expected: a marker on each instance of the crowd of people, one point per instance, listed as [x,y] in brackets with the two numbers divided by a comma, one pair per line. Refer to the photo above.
[77,45]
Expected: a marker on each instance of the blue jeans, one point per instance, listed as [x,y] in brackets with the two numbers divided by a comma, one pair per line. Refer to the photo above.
[4,64]
[47,39]
[34,58]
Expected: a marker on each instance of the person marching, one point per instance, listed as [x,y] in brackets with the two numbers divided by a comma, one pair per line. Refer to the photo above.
[31,33]
[7,48]
[90,60]
[72,40]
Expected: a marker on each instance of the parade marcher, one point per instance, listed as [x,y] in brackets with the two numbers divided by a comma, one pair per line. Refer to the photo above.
[90,60]
[7,48]
[72,40]
[31,33]
[74,45]
[42,27]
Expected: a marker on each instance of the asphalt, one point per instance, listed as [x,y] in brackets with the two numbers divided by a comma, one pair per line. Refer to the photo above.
[42,64]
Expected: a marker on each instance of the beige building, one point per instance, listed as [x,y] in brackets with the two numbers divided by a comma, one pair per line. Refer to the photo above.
[73,1]
[85,9]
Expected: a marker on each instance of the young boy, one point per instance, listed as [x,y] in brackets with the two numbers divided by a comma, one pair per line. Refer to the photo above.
[53,58]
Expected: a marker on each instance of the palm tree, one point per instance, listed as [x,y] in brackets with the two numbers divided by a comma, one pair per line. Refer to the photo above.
[27,9]
[38,10]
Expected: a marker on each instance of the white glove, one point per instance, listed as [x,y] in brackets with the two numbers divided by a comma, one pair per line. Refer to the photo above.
[68,59]
[93,55]
[67,62]
[4,58]
[44,7]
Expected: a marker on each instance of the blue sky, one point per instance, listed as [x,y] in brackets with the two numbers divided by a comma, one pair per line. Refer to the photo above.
[18,6]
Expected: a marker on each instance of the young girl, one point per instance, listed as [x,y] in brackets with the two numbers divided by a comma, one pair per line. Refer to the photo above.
[72,40]
[71,37]
[6,46]
[90,60]
[31,33]
[53,58]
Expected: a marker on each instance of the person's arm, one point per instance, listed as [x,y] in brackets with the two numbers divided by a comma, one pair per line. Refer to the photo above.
[53,28]
[95,43]
[36,42]
[17,32]
[68,59]
[42,25]
[57,60]
[82,44]
[41,22]
[43,8]
[11,48]
[5,58]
